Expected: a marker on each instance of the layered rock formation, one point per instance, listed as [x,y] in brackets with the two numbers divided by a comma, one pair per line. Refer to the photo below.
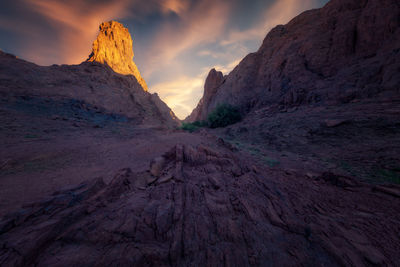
[199,206]
[113,47]
[344,51]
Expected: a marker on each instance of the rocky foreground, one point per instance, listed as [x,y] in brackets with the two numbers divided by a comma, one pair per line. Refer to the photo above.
[207,206]
[170,198]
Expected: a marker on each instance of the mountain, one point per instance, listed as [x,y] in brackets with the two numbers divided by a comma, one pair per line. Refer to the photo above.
[348,50]
[109,80]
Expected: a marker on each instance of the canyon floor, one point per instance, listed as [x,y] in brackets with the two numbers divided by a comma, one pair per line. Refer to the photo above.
[94,170]
[300,186]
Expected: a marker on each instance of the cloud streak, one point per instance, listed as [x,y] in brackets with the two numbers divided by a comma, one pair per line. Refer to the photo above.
[200,25]
[280,12]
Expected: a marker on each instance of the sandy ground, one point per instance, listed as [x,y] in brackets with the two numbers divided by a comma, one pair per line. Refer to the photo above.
[36,167]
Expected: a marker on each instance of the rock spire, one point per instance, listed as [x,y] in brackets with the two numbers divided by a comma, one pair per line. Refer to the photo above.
[113,47]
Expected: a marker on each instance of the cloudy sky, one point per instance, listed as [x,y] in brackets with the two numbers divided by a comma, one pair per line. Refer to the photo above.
[176,42]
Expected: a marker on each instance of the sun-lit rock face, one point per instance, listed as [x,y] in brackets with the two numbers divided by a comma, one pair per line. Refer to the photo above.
[113,47]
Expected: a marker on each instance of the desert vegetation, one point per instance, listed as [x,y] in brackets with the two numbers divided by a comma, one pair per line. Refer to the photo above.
[192,126]
[222,116]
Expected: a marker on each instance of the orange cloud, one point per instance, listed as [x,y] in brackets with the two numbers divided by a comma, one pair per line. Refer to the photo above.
[77,23]
[176,6]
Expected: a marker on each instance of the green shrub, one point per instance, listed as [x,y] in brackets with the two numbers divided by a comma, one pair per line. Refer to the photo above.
[223,115]
[190,127]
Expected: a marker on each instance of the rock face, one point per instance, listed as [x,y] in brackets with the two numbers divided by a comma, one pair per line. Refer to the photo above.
[213,81]
[347,50]
[113,47]
[206,207]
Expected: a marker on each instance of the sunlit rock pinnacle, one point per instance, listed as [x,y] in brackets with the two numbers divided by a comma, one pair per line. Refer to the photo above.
[113,47]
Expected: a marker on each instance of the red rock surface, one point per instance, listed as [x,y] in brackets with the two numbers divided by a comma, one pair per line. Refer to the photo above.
[344,51]
[113,47]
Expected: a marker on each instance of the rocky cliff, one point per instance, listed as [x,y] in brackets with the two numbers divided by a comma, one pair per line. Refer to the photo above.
[92,81]
[113,47]
[346,51]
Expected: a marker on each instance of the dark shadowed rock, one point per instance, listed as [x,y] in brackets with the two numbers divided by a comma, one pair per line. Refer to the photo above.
[156,166]
[208,209]
[213,81]
[334,123]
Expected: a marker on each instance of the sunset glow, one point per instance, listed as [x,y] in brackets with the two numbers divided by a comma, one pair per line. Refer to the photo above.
[176,42]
